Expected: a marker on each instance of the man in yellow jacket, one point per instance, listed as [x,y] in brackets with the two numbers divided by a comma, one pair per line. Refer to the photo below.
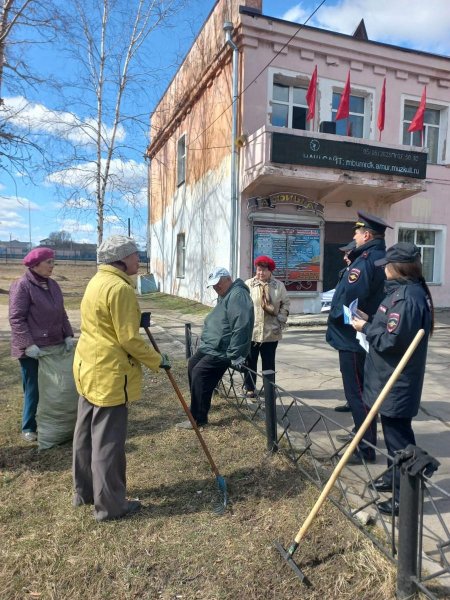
[108,375]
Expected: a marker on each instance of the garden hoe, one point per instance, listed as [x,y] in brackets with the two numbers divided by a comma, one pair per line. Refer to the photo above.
[220,507]
[288,554]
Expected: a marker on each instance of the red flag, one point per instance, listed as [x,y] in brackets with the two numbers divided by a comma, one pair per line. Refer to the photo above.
[382,108]
[343,111]
[417,122]
[311,96]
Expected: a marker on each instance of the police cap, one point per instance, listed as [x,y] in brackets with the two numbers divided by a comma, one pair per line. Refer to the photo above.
[403,252]
[349,247]
[371,222]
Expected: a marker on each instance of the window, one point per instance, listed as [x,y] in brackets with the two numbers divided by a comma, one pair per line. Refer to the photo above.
[432,122]
[289,106]
[354,125]
[181,255]
[181,160]
[429,242]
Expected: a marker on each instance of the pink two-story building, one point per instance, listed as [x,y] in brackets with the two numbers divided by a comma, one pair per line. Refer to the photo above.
[236,170]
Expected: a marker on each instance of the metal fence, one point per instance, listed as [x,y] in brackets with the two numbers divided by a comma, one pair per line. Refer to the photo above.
[419,546]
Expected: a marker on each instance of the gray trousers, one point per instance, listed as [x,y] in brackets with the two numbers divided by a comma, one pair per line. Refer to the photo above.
[99,463]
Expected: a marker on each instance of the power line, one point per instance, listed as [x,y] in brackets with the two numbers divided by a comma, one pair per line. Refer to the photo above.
[302,25]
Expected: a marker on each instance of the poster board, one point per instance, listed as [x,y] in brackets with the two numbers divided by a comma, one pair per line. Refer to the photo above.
[295,250]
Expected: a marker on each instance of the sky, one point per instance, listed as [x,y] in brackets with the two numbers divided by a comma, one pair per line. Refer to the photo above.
[33,209]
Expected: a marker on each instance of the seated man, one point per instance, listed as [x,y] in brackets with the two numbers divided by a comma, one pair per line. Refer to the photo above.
[225,341]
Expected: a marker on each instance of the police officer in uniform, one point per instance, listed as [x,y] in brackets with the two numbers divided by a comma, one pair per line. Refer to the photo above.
[365,281]
[406,308]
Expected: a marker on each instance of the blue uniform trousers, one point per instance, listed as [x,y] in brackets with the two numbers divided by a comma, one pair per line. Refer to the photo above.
[398,433]
[352,370]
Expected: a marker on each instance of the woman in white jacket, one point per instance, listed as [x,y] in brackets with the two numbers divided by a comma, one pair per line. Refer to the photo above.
[271,304]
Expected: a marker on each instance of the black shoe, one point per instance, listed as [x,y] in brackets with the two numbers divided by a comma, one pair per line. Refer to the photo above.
[344,437]
[388,507]
[380,486]
[343,408]
[357,458]
[134,506]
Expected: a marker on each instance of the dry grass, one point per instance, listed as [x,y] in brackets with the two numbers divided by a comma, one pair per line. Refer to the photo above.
[175,548]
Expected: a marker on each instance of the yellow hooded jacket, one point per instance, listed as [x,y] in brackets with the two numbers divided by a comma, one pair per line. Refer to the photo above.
[108,356]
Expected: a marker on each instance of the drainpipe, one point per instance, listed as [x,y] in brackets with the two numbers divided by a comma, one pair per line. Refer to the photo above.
[228,28]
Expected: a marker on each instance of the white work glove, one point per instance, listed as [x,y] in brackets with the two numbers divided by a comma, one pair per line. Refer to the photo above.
[33,351]
[69,342]
[238,363]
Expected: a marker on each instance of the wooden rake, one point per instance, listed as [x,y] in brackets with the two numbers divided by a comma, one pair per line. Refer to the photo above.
[288,554]
[221,505]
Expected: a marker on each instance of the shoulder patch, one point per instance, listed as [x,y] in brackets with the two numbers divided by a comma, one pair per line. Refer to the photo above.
[393,322]
[353,275]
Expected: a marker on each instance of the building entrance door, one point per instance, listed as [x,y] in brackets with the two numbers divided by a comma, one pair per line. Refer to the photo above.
[336,235]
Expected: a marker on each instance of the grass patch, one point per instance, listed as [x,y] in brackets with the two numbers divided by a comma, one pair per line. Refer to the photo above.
[175,303]
[176,547]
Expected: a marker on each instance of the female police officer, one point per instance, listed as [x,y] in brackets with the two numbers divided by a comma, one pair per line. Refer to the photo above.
[406,308]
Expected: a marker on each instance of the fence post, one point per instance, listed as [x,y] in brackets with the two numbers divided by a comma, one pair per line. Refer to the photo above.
[408,529]
[188,340]
[271,410]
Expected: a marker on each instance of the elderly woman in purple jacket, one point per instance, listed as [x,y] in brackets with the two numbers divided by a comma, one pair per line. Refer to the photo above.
[38,319]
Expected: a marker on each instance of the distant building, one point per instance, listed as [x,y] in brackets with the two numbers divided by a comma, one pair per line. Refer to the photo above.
[71,250]
[299,183]
[13,249]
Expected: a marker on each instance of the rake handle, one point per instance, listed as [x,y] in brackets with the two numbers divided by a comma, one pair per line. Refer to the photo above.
[359,435]
[185,406]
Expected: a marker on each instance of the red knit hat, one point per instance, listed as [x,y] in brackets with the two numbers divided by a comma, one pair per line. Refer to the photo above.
[37,255]
[265,261]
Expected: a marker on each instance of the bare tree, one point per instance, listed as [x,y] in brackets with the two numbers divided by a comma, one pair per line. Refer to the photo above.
[110,42]
[60,239]
[23,24]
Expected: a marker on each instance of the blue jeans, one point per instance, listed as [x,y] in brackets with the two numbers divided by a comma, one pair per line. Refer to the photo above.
[29,367]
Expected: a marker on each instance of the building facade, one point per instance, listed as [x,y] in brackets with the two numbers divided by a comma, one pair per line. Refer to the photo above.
[227,185]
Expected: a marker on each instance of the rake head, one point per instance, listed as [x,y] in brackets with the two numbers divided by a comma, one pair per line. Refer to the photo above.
[287,556]
[221,505]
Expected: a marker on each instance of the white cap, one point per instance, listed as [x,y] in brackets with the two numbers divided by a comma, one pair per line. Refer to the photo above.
[216,274]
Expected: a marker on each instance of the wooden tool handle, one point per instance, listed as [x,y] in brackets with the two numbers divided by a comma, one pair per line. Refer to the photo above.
[359,434]
[185,407]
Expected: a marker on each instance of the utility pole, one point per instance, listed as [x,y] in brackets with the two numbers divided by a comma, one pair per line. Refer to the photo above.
[29,223]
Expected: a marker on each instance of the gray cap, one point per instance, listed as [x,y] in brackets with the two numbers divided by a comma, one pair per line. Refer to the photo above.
[115,248]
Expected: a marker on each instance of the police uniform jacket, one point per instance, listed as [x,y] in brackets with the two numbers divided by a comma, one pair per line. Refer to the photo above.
[362,280]
[403,311]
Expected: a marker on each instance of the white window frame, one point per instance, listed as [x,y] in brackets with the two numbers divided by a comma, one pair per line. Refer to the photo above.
[181,159]
[443,152]
[330,86]
[181,256]
[356,114]
[440,232]
[294,79]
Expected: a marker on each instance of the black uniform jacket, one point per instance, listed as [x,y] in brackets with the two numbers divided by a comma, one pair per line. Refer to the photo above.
[362,280]
[401,314]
